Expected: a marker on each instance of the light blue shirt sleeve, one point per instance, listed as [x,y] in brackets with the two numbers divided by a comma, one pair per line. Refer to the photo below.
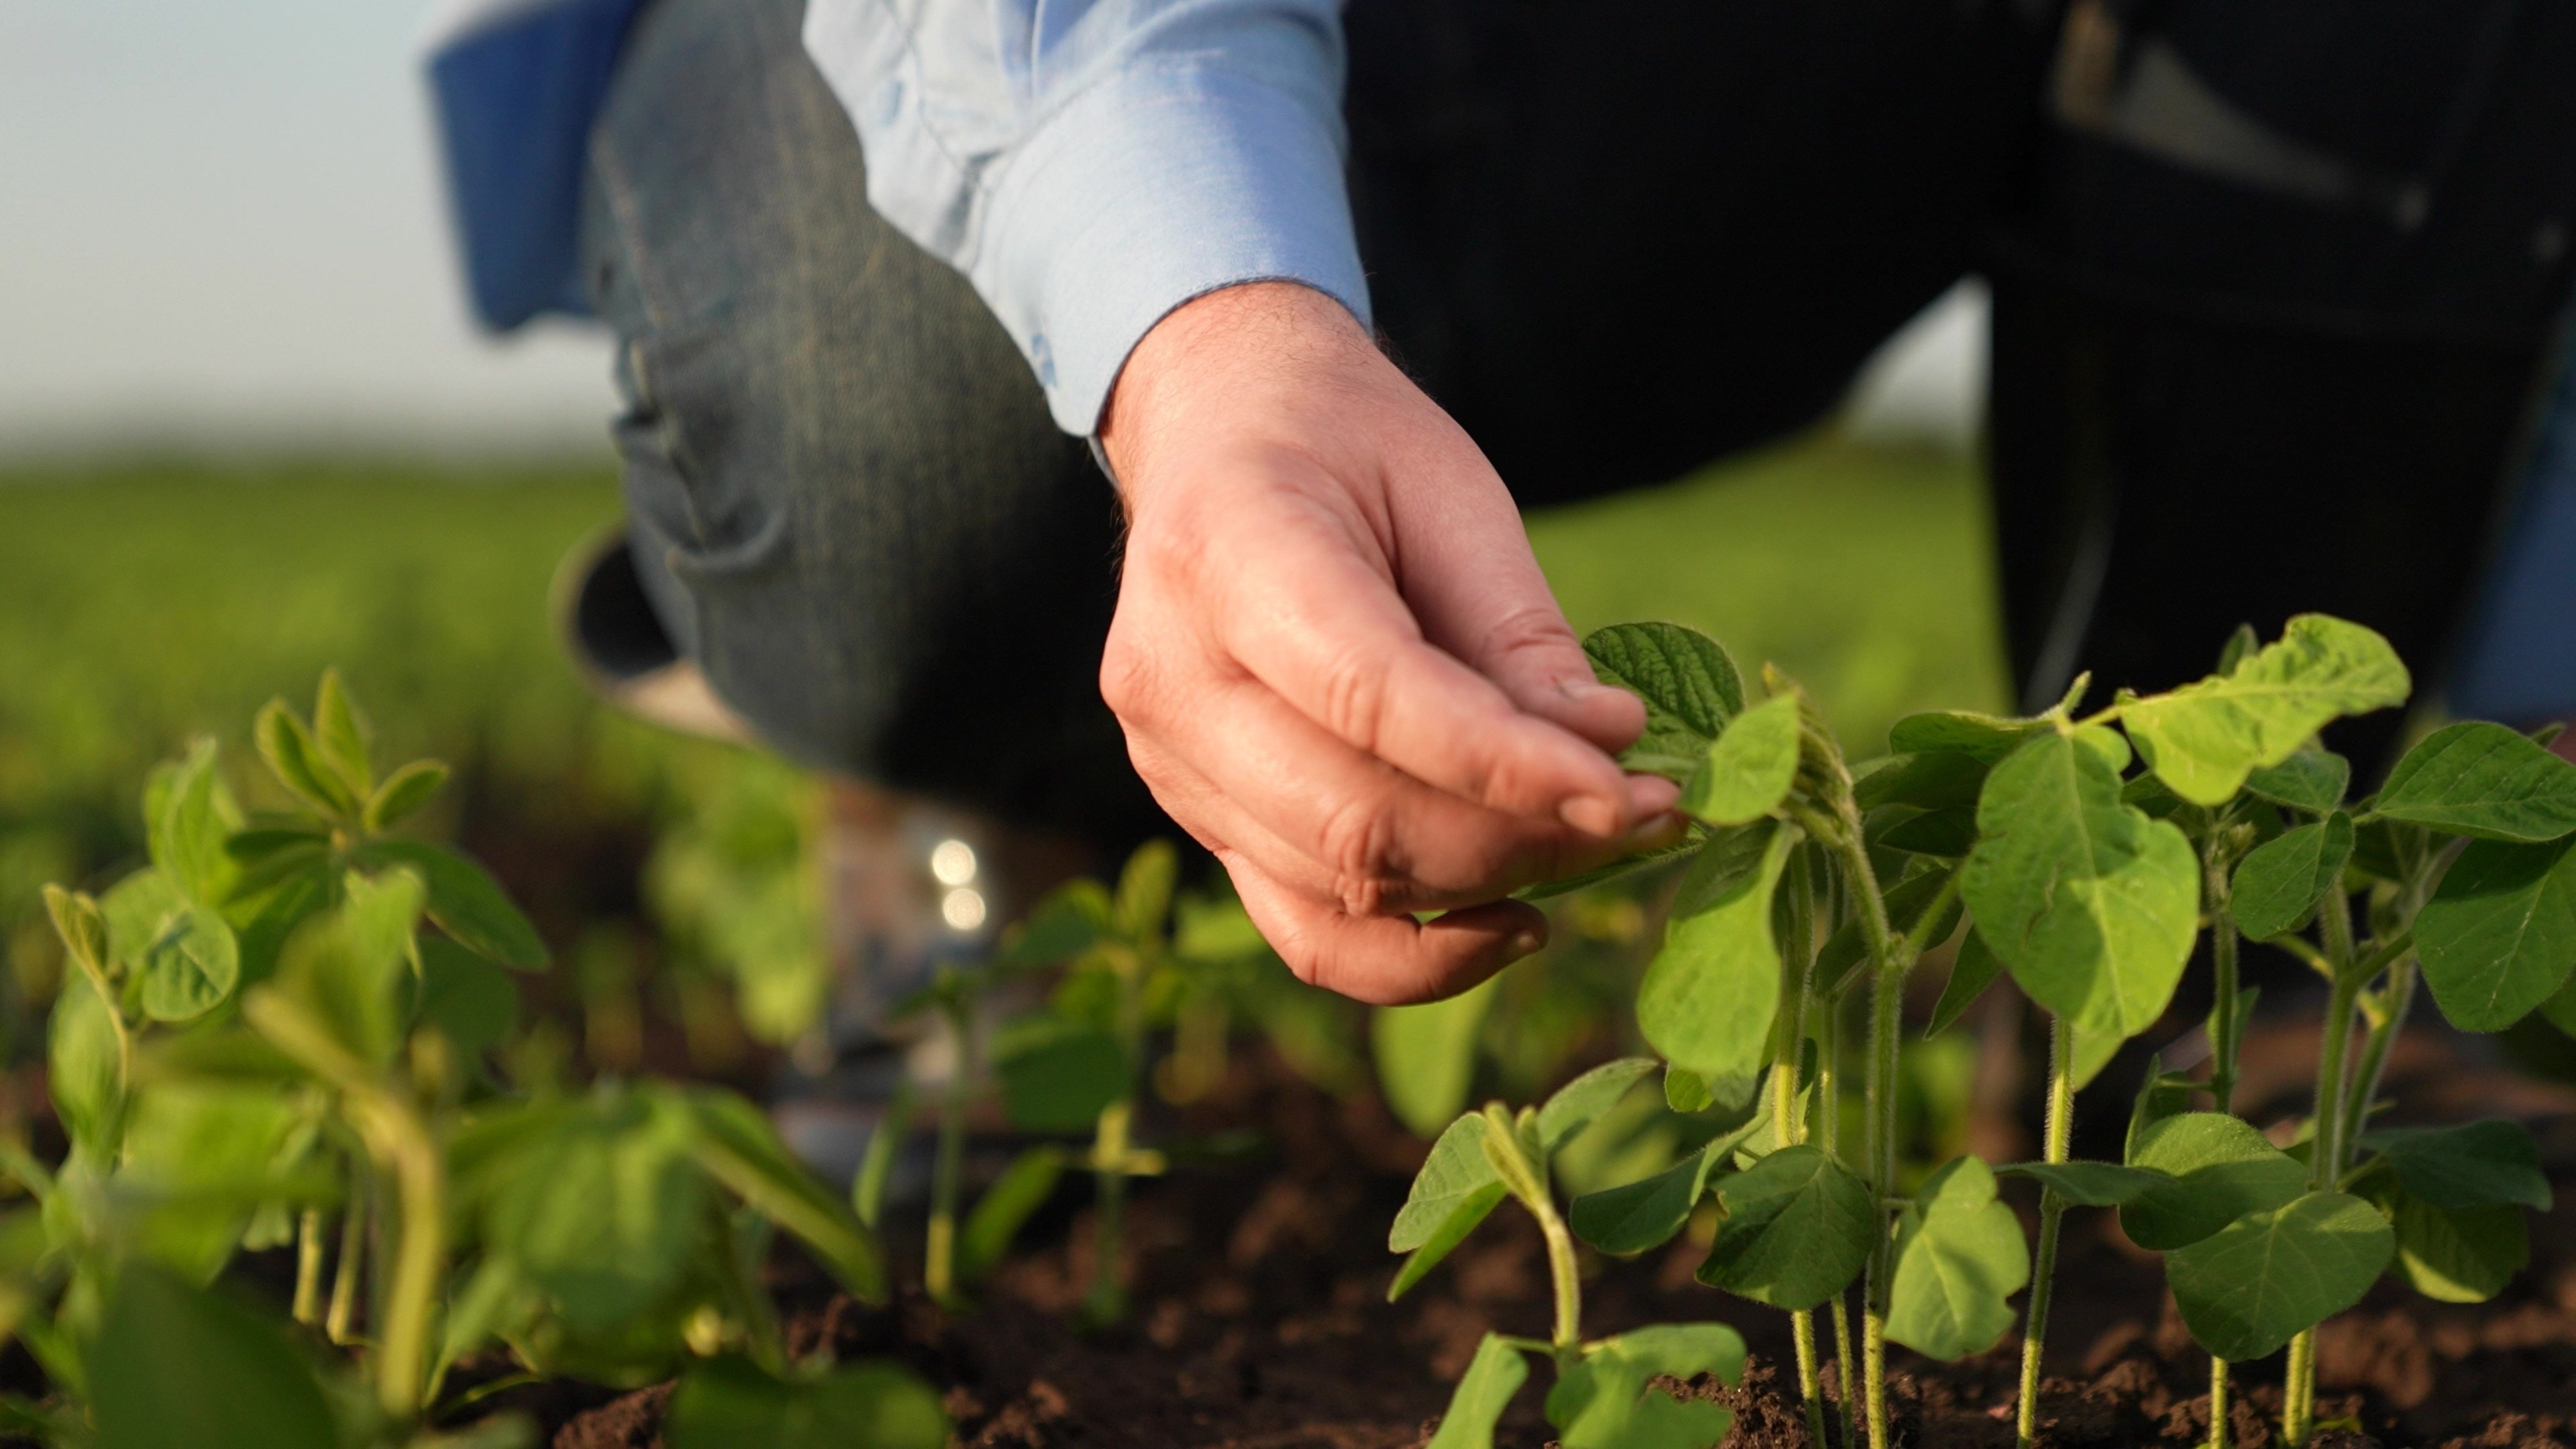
[1092,164]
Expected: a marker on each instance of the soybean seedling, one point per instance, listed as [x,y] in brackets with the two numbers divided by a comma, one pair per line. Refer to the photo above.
[1605,1395]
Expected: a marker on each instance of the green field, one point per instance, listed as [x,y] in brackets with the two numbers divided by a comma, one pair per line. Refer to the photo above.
[144,603]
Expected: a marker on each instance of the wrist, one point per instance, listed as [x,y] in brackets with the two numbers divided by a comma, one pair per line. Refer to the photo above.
[1226,358]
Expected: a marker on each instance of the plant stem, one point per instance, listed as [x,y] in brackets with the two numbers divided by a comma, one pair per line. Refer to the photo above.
[1107,1301]
[2226,1035]
[1829,1117]
[399,1140]
[2057,1136]
[1887,998]
[2325,1150]
[344,1273]
[939,1253]
[1563,1277]
[308,1267]
[1788,1124]
[2400,998]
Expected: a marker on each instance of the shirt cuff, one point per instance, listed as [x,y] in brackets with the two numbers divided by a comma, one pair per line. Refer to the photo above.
[1160,185]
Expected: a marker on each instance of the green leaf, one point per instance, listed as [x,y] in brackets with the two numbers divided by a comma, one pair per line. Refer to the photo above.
[1649,1212]
[730,1402]
[1580,1103]
[2251,1287]
[1690,687]
[175,1364]
[2483,780]
[1796,1231]
[82,1071]
[2205,738]
[2310,779]
[187,829]
[296,761]
[1906,902]
[2222,1169]
[1426,1056]
[1006,1207]
[1747,771]
[1959,1255]
[340,737]
[1143,903]
[472,1002]
[1451,1231]
[1455,1190]
[210,1153]
[1608,1400]
[1495,1374]
[358,975]
[2499,935]
[402,795]
[2092,1052]
[2089,1184]
[2092,905]
[2162,1096]
[1063,925]
[2459,1255]
[736,1146]
[1688,1091]
[1708,997]
[1942,834]
[2480,1164]
[465,902]
[2239,644]
[83,929]
[191,967]
[1926,779]
[1984,738]
[602,1211]
[877,1160]
[2278,884]
[1058,1075]
[1974,969]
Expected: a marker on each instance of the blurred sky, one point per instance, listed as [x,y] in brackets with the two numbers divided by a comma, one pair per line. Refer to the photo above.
[220,225]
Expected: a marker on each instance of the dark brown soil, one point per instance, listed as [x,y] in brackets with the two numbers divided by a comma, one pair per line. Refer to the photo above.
[1260,1323]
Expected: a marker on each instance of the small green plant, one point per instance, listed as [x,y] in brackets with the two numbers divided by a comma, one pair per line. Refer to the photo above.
[293,1015]
[2087,859]
[1605,1395]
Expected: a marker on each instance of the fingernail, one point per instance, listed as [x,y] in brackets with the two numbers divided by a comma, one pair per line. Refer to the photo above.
[1661,830]
[1651,794]
[1591,814]
[1524,942]
[1579,689]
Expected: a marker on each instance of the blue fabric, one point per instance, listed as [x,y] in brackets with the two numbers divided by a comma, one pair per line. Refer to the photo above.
[1088,164]
[2520,660]
[516,95]
[1092,164]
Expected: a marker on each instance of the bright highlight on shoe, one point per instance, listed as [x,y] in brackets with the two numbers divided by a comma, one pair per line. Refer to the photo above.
[962,909]
[953,863]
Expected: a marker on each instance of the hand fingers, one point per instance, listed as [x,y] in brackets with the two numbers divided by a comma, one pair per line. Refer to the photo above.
[1334,825]
[1385,960]
[1312,621]
[1477,591]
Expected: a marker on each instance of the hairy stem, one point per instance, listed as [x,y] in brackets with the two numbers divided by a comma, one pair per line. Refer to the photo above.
[2058,1134]
[2398,1000]
[939,1251]
[1567,1339]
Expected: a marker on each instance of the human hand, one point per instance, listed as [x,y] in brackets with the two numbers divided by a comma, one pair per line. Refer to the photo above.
[1336,661]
